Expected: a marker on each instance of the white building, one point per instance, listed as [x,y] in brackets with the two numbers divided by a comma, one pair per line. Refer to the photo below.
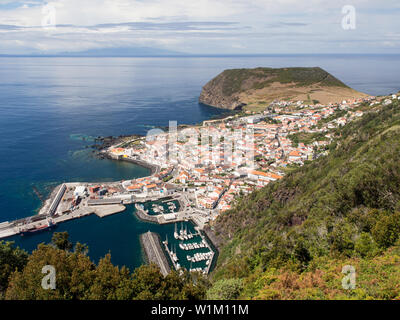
[80,191]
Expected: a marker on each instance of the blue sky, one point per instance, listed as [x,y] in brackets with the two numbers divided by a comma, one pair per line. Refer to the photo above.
[200,26]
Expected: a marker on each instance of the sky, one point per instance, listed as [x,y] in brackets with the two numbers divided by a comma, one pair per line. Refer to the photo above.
[201,26]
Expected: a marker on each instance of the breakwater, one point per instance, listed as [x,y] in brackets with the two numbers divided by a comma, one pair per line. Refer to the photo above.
[154,169]
[150,242]
[142,215]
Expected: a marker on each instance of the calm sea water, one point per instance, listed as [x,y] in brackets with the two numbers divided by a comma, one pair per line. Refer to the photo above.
[48,104]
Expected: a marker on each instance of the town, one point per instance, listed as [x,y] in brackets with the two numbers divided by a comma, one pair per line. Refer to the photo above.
[216,162]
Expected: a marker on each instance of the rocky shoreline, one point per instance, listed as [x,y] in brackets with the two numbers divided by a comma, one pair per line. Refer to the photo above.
[107,142]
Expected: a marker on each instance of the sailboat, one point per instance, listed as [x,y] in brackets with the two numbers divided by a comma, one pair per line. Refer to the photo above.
[176,232]
[166,239]
[173,254]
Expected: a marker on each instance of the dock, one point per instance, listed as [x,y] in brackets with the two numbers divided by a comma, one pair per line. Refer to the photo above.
[154,252]
[104,211]
[209,248]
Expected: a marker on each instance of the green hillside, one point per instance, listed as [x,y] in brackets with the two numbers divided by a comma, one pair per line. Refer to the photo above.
[291,239]
[233,80]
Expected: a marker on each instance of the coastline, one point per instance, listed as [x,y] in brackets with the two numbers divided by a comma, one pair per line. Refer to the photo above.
[100,150]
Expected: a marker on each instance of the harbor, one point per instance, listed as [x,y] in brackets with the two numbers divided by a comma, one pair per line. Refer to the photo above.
[69,201]
[155,201]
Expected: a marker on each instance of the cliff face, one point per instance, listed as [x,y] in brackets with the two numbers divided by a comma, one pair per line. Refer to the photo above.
[236,88]
[212,95]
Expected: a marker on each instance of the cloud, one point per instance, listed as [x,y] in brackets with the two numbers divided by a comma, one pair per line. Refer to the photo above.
[201,26]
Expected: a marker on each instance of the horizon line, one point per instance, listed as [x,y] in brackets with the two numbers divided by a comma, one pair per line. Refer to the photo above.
[188,55]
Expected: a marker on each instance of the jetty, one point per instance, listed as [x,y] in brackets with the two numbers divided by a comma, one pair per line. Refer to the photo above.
[154,253]
[172,255]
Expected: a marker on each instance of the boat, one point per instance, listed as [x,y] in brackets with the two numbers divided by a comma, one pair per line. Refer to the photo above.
[49,224]
[176,232]
[174,256]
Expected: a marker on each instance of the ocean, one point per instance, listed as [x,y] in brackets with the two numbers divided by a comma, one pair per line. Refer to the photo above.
[52,108]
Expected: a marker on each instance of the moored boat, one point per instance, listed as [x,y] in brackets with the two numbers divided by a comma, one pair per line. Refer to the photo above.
[48,225]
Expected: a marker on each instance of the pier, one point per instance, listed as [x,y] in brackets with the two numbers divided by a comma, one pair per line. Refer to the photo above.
[209,248]
[172,256]
[154,252]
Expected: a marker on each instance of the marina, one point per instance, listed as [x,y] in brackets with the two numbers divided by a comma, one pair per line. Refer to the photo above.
[71,201]
[202,254]
[161,207]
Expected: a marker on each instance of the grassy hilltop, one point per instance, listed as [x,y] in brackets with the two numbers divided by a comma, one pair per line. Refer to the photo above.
[291,239]
[238,87]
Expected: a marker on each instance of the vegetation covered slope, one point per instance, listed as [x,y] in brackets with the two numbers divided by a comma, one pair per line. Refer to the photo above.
[237,87]
[344,208]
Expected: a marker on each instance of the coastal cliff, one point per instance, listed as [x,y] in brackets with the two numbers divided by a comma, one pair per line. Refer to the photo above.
[236,88]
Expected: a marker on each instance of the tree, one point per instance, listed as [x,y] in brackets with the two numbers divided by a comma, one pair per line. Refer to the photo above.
[11,259]
[77,277]
[386,230]
[110,282]
[74,275]
[365,246]
[302,254]
[147,281]
[225,289]
[60,240]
